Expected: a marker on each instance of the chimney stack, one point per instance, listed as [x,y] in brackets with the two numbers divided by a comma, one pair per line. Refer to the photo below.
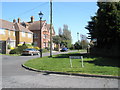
[14,20]
[18,20]
[32,19]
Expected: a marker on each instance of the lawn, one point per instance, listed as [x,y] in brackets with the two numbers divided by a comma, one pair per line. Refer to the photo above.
[61,63]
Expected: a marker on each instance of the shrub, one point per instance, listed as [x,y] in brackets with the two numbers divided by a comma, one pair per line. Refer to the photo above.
[44,50]
[9,47]
[56,49]
[20,44]
[14,51]
[47,48]
[18,50]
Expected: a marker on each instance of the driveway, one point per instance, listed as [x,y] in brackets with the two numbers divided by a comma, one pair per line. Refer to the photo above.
[14,76]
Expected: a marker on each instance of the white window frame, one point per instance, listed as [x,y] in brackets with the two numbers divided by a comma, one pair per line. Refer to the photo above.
[8,32]
[23,34]
[2,31]
[14,33]
[29,35]
[45,36]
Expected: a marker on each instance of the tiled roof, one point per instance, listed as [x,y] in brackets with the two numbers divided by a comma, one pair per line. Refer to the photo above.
[21,28]
[13,26]
[35,25]
[48,27]
[6,24]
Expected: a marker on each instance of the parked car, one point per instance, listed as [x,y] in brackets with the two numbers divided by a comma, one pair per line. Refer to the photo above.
[64,49]
[30,51]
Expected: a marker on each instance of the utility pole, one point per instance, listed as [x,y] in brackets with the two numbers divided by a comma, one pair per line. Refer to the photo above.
[78,40]
[50,28]
[78,36]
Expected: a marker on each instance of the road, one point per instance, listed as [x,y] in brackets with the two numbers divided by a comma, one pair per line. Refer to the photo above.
[14,76]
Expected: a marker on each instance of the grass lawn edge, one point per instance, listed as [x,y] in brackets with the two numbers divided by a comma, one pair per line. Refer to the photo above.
[74,74]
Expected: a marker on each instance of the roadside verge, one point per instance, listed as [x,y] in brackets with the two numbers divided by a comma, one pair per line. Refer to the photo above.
[74,74]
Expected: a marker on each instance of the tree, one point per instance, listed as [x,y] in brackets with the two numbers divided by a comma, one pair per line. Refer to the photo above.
[78,45]
[57,41]
[84,44]
[92,27]
[108,18]
[60,32]
[105,25]
[66,38]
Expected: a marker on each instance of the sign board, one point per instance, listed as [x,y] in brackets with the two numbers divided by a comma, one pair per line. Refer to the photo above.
[75,57]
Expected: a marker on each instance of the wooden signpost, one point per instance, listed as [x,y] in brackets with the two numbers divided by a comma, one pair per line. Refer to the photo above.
[75,57]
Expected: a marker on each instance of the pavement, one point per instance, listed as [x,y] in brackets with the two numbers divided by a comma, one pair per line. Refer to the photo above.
[15,76]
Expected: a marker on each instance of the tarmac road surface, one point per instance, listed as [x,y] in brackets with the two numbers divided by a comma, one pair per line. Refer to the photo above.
[15,76]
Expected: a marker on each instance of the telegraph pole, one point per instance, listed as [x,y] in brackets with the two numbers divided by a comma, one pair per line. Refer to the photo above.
[50,28]
[78,36]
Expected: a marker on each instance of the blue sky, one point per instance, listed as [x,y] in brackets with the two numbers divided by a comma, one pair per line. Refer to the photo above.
[74,14]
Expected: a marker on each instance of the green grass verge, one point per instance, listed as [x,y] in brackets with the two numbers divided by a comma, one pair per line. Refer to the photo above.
[61,63]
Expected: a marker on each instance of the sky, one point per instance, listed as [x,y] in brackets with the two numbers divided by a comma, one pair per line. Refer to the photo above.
[75,14]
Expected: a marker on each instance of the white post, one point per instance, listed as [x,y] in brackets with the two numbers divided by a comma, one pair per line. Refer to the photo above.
[82,61]
[70,62]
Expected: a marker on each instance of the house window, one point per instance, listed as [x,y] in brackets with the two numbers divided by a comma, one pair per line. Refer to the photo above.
[23,34]
[8,32]
[29,35]
[45,36]
[44,44]
[13,33]
[35,35]
[2,31]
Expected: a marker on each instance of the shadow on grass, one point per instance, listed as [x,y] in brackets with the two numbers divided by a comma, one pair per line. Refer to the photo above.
[105,62]
[85,55]
[100,61]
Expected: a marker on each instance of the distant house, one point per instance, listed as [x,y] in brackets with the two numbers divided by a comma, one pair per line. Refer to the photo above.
[22,34]
[13,34]
[34,26]
[7,35]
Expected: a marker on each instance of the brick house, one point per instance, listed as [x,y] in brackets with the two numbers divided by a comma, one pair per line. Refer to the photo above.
[22,34]
[34,26]
[13,34]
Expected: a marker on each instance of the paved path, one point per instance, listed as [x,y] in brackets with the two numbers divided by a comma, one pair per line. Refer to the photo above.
[14,76]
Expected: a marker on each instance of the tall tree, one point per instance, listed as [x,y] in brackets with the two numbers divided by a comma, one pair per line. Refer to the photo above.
[92,27]
[105,28]
[60,32]
[108,17]
[57,41]
[66,37]
[105,25]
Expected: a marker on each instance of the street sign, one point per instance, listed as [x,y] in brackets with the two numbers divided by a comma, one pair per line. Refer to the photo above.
[75,57]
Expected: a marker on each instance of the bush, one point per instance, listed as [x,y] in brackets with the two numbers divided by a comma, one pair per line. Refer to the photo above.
[19,44]
[72,47]
[18,50]
[14,51]
[56,49]
[47,48]
[9,46]
[44,50]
